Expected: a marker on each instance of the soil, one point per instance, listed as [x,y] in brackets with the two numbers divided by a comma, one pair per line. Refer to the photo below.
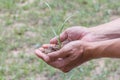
[51,49]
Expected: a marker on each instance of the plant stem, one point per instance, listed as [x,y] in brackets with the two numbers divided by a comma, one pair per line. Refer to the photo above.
[61,27]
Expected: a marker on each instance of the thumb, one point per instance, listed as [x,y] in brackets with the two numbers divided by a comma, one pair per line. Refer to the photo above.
[63,37]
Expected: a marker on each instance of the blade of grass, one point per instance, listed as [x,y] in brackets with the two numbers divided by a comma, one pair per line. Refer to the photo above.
[48,6]
[62,26]
[61,29]
[57,34]
[58,39]
[53,30]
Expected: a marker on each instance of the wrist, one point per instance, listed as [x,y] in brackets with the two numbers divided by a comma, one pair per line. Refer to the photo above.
[105,48]
[106,31]
[97,49]
[89,49]
[94,35]
[101,33]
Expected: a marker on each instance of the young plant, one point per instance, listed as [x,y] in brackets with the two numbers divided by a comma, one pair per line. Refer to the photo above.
[61,27]
[57,33]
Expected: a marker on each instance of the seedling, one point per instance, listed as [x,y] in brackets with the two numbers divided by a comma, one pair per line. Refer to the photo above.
[60,28]
[56,34]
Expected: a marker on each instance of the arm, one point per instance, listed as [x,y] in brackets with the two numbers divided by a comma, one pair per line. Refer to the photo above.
[107,31]
[109,48]
[102,32]
[78,52]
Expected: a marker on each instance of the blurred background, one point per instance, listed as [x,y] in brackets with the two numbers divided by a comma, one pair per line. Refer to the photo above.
[25,26]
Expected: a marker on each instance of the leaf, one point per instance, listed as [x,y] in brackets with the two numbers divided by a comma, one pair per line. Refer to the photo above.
[62,26]
[53,30]
[48,6]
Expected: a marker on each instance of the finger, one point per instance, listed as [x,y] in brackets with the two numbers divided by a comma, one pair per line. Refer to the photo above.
[63,37]
[57,54]
[72,61]
[70,67]
[73,65]
[69,60]
[65,70]
[65,42]
[61,63]
[42,55]
[41,49]
[57,63]
[47,45]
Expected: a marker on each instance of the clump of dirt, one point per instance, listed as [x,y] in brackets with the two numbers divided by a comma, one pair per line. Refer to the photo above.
[50,49]
[53,47]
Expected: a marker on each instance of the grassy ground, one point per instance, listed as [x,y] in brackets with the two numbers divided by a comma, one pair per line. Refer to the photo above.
[25,26]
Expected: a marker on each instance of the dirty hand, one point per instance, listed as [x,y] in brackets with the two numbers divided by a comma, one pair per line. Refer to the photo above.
[68,57]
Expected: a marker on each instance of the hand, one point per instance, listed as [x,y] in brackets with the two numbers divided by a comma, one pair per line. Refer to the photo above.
[71,34]
[92,34]
[70,56]
[85,44]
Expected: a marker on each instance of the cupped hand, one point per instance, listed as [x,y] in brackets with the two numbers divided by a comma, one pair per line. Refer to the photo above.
[70,56]
[71,34]
[80,33]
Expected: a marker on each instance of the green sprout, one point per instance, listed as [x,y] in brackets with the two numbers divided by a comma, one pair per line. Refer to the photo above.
[61,27]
